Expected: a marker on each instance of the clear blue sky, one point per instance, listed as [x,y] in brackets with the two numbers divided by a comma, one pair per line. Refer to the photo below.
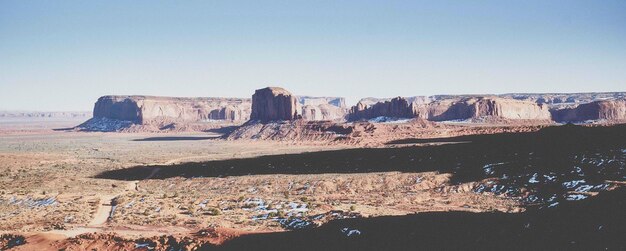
[63,55]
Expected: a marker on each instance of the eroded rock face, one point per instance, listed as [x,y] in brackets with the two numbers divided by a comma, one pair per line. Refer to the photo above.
[369,101]
[611,110]
[397,108]
[483,107]
[323,112]
[452,109]
[315,101]
[118,107]
[322,108]
[160,110]
[273,104]
[562,99]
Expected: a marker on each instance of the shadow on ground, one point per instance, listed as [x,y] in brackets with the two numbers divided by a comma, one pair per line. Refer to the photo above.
[551,148]
[222,130]
[548,164]
[175,138]
[557,166]
[598,223]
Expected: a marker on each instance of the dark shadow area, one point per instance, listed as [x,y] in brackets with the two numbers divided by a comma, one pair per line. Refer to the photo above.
[553,146]
[458,139]
[222,130]
[543,167]
[553,170]
[175,138]
[63,129]
[598,223]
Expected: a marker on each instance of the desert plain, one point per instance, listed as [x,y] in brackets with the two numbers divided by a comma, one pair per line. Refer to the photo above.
[72,190]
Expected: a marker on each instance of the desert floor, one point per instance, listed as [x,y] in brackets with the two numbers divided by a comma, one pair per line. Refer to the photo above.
[57,184]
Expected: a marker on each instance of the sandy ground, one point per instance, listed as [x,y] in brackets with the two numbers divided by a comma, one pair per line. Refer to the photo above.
[53,188]
[48,186]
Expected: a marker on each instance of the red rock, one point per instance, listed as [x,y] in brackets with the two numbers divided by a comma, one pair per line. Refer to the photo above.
[160,110]
[273,104]
[611,110]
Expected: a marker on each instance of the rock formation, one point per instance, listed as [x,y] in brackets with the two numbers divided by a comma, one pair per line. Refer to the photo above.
[322,108]
[158,110]
[369,101]
[315,101]
[277,104]
[483,107]
[117,112]
[397,108]
[610,110]
[273,104]
[560,99]
[452,109]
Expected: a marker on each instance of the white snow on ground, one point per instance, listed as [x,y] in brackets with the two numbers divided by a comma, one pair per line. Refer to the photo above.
[573,183]
[389,120]
[104,125]
[350,232]
[576,197]
[533,180]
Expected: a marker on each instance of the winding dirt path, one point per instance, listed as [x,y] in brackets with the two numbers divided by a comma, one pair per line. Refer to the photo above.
[103,212]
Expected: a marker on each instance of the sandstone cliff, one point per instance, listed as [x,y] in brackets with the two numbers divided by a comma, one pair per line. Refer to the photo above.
[315,101]
[610,110]
[483,107]
[465,108]
[397,108]
[369,101]
[323,112]
[273,104]
[277,104]
[322,108]
[561,99]
[113,113]
[150,110]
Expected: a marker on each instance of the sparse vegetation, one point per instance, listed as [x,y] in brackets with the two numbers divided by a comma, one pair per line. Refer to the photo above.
[213,211]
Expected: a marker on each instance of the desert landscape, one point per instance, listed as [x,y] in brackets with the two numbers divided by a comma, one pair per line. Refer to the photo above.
[152,125]
[280,171]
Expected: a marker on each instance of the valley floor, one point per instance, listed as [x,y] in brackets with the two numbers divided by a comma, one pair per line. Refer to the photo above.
[79,190]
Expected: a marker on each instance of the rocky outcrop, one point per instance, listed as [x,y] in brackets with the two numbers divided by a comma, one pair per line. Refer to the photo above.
[294,131]
[452,109]
[396,108]
[159,110]
[322,108]
[315,101]
[369,101]
[483,107]
[323,112]
[560,99]
[610,110]
[273,104]
[277,104]
[126,108]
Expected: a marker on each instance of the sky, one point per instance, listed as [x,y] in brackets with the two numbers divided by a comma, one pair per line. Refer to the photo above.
[63,55]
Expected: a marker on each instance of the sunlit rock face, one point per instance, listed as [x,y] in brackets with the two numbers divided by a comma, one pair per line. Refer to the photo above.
[322,108]
[273,104]
[460,108]
[610,110]
[483,107]
[395,108]
[158,110]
